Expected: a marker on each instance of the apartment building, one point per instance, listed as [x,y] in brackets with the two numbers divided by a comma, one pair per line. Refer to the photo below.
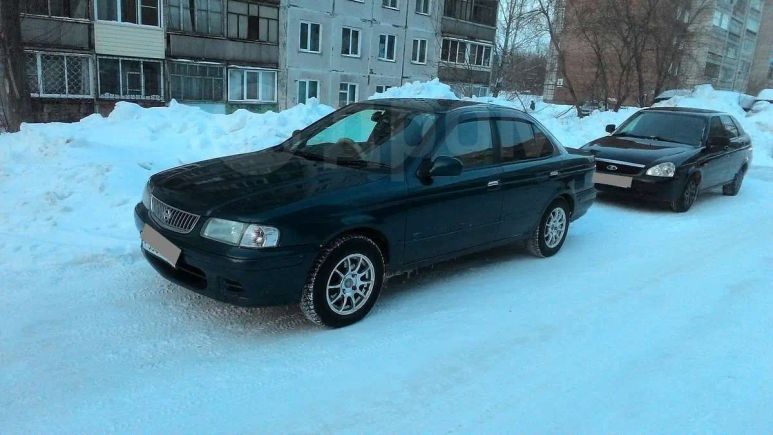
[342,51]
[82,56]
[728,45]
[761,75]
[468,32]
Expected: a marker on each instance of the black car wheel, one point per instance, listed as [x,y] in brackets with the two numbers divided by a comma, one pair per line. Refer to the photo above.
[344,282]
[688,196]
[732,188]
[550,234]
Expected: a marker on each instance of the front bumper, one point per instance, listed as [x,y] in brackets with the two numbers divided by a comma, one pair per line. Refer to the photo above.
[267,277]
[649,188]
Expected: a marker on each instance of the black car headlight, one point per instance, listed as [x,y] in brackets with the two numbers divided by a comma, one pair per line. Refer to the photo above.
[241,234]
[666,169]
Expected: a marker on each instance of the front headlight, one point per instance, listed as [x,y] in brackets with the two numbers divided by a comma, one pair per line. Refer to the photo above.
[666,169]
[241,234]
[146,196]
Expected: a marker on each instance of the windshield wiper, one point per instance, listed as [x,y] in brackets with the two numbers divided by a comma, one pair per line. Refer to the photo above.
[359,163]
[309,156]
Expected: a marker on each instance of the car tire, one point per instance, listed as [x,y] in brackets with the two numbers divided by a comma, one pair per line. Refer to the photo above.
[732,188]
[344,282]
[687,197]
[548,238]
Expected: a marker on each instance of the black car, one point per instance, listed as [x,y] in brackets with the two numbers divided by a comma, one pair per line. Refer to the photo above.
[672,154]
[390,185]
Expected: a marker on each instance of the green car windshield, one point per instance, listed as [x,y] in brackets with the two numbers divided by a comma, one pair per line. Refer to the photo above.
[368,137]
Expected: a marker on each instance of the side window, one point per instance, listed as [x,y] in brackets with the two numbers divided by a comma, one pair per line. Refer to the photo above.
[469,142]
[717,128]
[543,146]
[730,126]
[521,140]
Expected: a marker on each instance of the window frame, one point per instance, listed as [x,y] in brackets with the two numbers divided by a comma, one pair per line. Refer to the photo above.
[427,4]
[384,88]
[359,41]
[306,97]
[142,61]
[413,50]
[86,18]
[190,63]
[119,12]
[534,129]
[39,74]
[494,143]
[227,15]
[244,72]
[393,4]
[348,91]
[308,37]
[467,53]
[181,13]
[386,47]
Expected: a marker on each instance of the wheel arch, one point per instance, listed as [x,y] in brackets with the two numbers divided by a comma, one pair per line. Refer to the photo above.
[370,232]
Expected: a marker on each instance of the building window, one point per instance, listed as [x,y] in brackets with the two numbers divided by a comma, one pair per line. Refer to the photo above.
[143,12]
[380,89]
[130,79]
[419,53]
[251,21]
[207,17]
[711,71]
[476,11]
[310,35]
[59,75]
[422,7]
[721,20]
[391,4]
[386,47]
[252,85]
[307,89]
[347,94]
[350,42]
[466,53]
[56,8]
[195,82]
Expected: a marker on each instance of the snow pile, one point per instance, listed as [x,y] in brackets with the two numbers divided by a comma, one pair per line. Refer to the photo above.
[765,94]
[75,185]
[431,89]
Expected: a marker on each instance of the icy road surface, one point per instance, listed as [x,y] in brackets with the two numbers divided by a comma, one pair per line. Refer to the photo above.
[646,321]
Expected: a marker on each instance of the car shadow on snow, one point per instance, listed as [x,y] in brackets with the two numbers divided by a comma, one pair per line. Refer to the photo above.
[641,205]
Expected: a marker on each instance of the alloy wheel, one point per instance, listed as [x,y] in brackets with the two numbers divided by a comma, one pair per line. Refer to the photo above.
[555,227]
[350,284]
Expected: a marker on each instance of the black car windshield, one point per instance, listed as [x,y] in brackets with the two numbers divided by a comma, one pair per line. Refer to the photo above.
[366,137]
[671,127]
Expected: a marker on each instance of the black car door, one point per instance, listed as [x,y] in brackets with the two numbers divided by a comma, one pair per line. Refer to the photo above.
[734,159]
[451,213]
[530,174]
[713,163]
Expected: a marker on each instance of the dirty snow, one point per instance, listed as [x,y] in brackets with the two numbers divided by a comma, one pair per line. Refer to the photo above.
[647,321]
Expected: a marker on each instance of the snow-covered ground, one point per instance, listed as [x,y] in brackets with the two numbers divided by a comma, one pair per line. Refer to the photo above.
[647,321]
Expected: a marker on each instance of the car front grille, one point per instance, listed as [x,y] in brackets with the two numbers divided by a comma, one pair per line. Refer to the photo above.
[172,218]
[618,167]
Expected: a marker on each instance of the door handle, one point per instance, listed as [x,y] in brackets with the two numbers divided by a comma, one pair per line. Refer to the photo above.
[494,184]
[554,173]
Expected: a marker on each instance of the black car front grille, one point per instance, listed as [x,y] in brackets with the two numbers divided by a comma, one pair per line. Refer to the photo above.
[172,218]
[618,167]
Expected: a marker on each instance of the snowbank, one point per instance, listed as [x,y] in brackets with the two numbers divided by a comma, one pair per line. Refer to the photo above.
[74,185]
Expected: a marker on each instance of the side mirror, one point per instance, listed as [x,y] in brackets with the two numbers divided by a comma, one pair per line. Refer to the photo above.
[717,143]
[611,128]
[442,166]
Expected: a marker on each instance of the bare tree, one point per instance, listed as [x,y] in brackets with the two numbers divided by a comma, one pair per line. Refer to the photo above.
[552,16]
[518,29]
[14,96]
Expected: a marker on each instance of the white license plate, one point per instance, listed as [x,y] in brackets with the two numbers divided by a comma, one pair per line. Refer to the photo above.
[612,180]
[159,246]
